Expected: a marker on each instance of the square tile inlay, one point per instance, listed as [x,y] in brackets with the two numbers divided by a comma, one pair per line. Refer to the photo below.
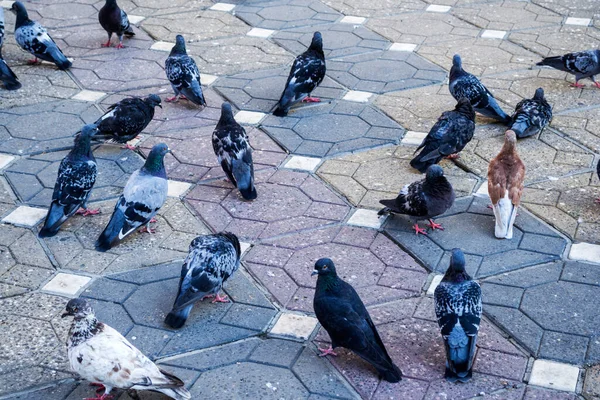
[403,47]
[438,8]
[302,163]
[26,216]
[177,188]
[353,20]
[294,325]
[162,46]
[5,159]
[89,95]
[554,375]
[208,79]
[135,19]
[260,32]
[483,190]
[413,138]
[66,284]
[585,252]
[366,218]
[244,246]
[578,21]
[357,96]
[434,283]
[492,34]
[249,117]
[222,7]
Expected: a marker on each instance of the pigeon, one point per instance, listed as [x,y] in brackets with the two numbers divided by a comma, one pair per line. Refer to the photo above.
[183,74]
[464,84]
[582,64]
[450,134]
[7,76]
[306,74]
[598,172]
[34,38]
[531,115]
[234,153]
[114,20]
[458,310]
[342,313]
[144,194]
[423,199]
[76,177]
[126,119]
[98,353]
[506,174]
[211,260]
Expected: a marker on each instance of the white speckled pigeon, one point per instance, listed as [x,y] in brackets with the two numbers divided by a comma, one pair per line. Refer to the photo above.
[464,84]
[450,134]
[234,153]
[100,354]
[34,38]
[211,260]
[506,176]
[458,310]
[531,115]
[7,76]
[306,74]
[114,20]
[423,199]
[144,194]
[342,313]
[582,64]
[183,74]
[76,177]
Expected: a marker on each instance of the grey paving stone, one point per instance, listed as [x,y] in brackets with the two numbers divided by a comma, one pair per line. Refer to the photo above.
[281,353]
[149,341]
[581,272]
[472,263]
[530,277]
[249,317]
[522,328]
[217,356]
[149,275]
[58,392]
[20,379]
[241,289]
[543,244]
[499,295]
[112,314]
[109,290]
[564,347]
[283,14]
[496,263]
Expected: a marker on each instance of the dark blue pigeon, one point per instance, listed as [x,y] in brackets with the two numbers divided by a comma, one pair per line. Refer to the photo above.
[234,153]
[144,194]
[114,20]
[531,115]
[211,260]
[34,38]
[458,310]
[582,64]
[464,84]
[7,76]
[306,74]
[183,74]
[76,177]
[423,199]
[450,134]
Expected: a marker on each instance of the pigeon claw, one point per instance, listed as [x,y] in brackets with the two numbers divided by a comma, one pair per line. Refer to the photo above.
[173,99]
[434,226]
[454,156]
[419,230]
[145,229]
[119,46]
[597,201]
[33,62]
[128,147]
[220,299]
[597,84]
[85,212]
[327,352]
[577,85]
[107,44]
[311,100]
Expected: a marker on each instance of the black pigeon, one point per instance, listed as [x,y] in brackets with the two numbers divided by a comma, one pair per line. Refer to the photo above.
[114,20]
[7,76]
[458,310]
[345,318]
[211,260]
[126,119]
[598,172]
[34,38]
[144,194]
[306,74]
[234,153]
[464,84]
[531,115]
[582,64]
[183,74]
[450,134]
[76,177]
[425,199]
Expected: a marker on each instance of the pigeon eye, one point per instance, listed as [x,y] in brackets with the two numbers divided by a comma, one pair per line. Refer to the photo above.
[325,267]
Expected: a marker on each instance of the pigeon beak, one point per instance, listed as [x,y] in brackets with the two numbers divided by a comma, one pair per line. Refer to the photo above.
[160,105]
[315,272]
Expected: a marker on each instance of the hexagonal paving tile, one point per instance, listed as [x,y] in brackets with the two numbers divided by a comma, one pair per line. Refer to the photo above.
[570,7]
[556,40]
[580,125]
[533,243]
[367,177]
[377,8]
[283,14]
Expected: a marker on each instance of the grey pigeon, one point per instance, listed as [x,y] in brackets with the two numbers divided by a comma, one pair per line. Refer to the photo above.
[306,74]
[464,84]
[450,134]
[531,115]
[234,153]
[211,260]
[144,194]
[76,177]
[582,64]
[458,310]
[34,38]
[344,316]
[424,199]
[7,76]
[100,354]
[126,119]
[183,74]
[114,20]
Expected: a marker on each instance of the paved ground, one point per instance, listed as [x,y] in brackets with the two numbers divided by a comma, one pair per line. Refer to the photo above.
[320,173]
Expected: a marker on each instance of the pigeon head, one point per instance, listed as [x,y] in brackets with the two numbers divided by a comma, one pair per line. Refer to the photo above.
[179,47]
[78,308]
[434,171]
[226,114]
[465,107]
[155,162]
[153,100]
[82,141]
[323,267]
[19,9]
[510,137]
[457,61]
[317,42]
[539,94]
[456,271]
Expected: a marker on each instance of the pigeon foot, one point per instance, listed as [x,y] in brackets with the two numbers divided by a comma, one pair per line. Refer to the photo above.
[597,201]
[182,96]
[311,100]
[434,226]
[326,352]
[597,84]
[85,212]
[99,385]
[173,99]
[119,46]
[454,156]
[419,230]
[220,299]
[103,397]
[145,229]
[577,85]
[33,62]
[107,44]
[128,147]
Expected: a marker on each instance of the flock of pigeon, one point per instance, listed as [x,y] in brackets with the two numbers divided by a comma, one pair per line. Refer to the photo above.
[103,356]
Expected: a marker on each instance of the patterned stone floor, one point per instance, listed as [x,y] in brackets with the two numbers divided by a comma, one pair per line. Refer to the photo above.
[320,174]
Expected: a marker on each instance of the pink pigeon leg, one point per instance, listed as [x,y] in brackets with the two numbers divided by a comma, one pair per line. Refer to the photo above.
[434,226]
[597,84]
[311,100]
[128,147]
[34,61]
[98,397]
[85,212]
[419,230]
[220,299]
[208,296]
[173,99]
[182,96]
[327,352]
[597,201]
[454,156]
[146,228]
[577,85]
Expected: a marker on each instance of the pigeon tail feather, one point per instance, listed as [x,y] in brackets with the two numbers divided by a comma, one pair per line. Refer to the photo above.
[420,165]
[243,176]
[392,375]
[554,62]
[59,58]
[55,218]
[494,111]
[176,393]
[8,77]
[111,233]
[280,112]
[176,318]
[505,213]
[522,127]
[194,94]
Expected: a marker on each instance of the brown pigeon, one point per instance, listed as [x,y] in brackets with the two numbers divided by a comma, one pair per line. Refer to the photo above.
[506,175]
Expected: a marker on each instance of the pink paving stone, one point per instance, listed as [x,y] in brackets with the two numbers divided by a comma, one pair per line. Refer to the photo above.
[406,389]
[354,236]
[392,255]
[393,312]
[302,300]
[505,365]
[317,191]
[400,278]
[490,338]
[275,280]
[288,178]
[209,193]
[361,374]
[534,393]
[268,255]
[426,310]
[293,225]
[444,390]
[372,295]
[327,211]
[305,239]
